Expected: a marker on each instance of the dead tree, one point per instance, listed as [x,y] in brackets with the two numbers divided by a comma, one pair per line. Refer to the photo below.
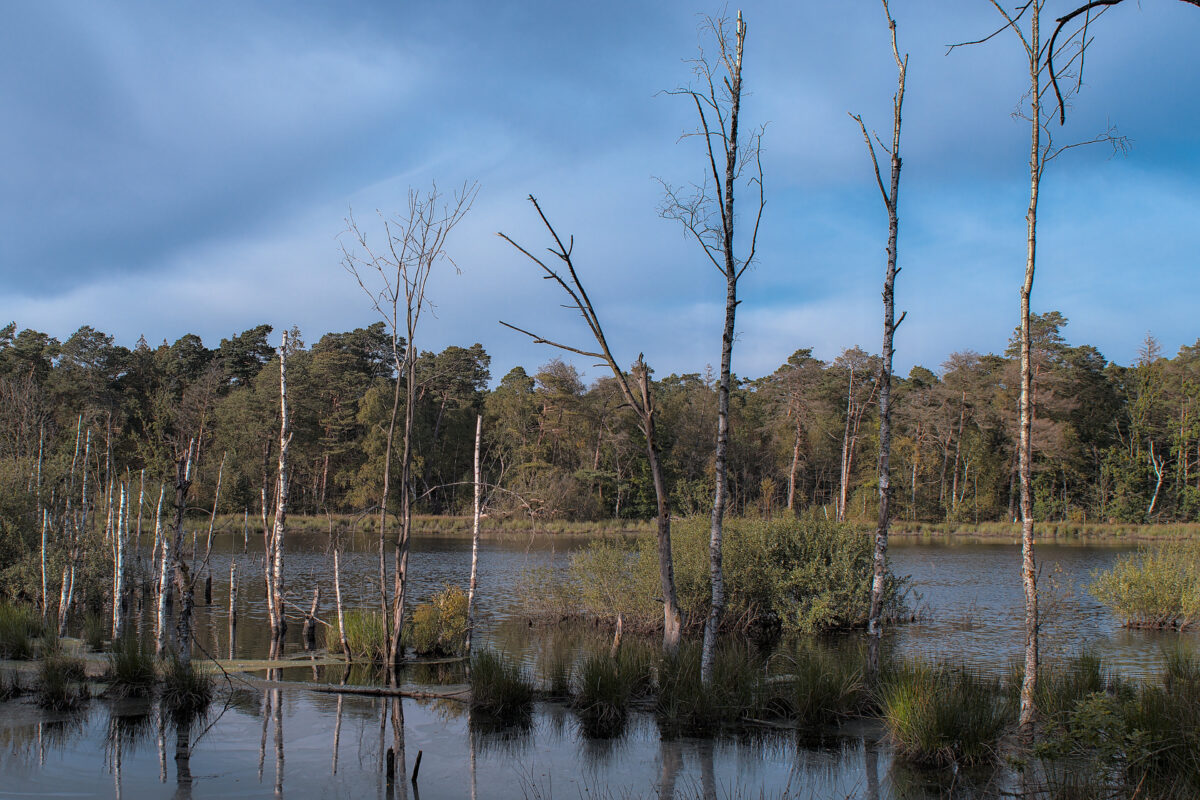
[182,576]
[1042,150]
[890,193]
[707,214]
[395,276]
[474,583]
[638,395]
[274,564]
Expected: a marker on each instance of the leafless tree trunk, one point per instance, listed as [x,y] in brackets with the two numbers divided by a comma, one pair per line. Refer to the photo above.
[118,545]
[233,593]
[891,202]
[212,519]
[163,589]
[640,401]
[708,216]
[399,272]
[279,530]
[183,583]
[471,587]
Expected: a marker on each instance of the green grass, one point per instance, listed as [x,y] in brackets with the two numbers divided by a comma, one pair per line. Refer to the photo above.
[608,687]
[1058,529]
[20,628]
[820,684]
[95,631]
[186,691]
[499,688]
[366,635]
[943,715]
[131,668]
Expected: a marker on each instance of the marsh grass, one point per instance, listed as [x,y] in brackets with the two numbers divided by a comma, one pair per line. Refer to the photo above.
[95,632]
[62,682]
[10,686]
[366,635]
[820,685]
[20,628]
[608,687]
[685,706]
[944,715]
[131,668]
[499,689]
[186,691]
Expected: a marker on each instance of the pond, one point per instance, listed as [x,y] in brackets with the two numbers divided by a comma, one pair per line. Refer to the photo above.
[306,743]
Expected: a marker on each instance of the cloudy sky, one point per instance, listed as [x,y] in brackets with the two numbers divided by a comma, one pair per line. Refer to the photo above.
[172,168]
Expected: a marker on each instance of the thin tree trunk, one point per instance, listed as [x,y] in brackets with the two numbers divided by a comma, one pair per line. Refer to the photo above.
[396,655]
[1025,466]
[233,593]
[278,622]
[795,467]
[45,597]
[473,585]
[337,593]
[183,584]
[163,589]
[118,617]
[891,202]
[212,519]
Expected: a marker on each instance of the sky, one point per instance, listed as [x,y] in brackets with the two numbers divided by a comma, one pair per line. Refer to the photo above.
[176,168]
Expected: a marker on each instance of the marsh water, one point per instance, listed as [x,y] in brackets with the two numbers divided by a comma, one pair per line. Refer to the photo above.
[306,743]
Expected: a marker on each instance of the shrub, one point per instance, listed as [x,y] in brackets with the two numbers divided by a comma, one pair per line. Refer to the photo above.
[499,688]
[186,690]
[131,668]
[1154,588]
[794,575]
[19,628]
[61,682]
[941,715]
[439,627]
[366,635]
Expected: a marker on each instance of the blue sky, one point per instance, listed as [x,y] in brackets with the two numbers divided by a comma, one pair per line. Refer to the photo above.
[173,168]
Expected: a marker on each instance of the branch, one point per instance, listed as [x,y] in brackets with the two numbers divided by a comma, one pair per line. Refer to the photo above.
[1010,22]
[874,160]
[541,340]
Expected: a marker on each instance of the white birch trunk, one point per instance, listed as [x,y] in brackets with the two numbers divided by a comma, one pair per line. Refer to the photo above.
[474,541]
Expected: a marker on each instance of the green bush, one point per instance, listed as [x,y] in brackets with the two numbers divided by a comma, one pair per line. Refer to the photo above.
[439,627]
[366,635]
[131,668]
[499,688]
[20,627]
[790,575]
[1154,588]
[941,715]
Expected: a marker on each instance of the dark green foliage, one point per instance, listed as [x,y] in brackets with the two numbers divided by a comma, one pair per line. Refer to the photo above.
[820,685]
[20,627]
[943,715]
[186,691]
[95,632]
[499,688]
[607,688]
[131,668]
[61,682]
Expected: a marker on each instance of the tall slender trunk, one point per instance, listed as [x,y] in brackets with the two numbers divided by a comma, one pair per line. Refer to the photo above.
[278,621]
[891,202]
[1025,466]
[472,586]
[163,588]
[212,519]
[795,467]
[396,654]
[233,593]
[387,483]
[183,583]
[843,474]
[118,546]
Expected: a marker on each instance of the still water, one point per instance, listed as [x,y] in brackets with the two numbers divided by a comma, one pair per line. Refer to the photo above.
[308,744]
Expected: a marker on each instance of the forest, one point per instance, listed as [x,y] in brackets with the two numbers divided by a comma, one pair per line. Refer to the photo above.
[1111,442]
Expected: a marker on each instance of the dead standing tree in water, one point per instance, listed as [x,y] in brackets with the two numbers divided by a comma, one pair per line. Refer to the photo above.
[890,193]
[707,214]
[273,562]
[394,274]
[637,395]
[1042,150]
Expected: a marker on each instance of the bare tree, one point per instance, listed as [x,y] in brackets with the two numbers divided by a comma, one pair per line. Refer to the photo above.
[707,215]
[890,193]
[394,276]
[274,562]
[636,390]
[1042,151]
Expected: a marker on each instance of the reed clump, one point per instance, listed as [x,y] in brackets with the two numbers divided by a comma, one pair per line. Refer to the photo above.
[20,628]
[499,688]
[821,685]
[131,668]
[943,715]
[366,635]
[1154,588]
[186,691]
[62,682]
[608,686]
[686,706]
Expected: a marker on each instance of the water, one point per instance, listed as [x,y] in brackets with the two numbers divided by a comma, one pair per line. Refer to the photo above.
[971,612]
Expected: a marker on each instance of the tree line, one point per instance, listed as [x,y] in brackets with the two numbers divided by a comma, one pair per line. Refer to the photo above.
[1111,442]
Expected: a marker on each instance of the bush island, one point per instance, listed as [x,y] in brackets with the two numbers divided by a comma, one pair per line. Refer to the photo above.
[1154,588]
[789,575]
[439,627]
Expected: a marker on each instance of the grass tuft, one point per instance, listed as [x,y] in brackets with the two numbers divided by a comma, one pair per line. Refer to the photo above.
[20,628]
[499,688]
[131,668]
[366,635]
[61,682]
[186,690]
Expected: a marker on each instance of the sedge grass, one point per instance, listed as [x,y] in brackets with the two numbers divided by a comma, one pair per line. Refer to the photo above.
[499,688]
